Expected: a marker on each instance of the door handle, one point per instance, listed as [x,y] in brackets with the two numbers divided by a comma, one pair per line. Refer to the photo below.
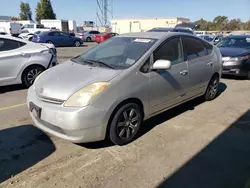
[184,72]
[210,64]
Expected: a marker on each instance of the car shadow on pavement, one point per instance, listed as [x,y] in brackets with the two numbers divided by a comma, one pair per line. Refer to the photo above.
[22,147]
[224,163]
[169,114]
[156,120]
[6,89]
[232,77]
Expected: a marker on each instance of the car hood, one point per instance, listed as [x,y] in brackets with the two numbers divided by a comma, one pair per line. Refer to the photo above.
[233,52]
[61,81]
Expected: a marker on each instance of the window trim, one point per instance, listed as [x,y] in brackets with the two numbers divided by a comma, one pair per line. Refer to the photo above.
[167,40]
[185,50]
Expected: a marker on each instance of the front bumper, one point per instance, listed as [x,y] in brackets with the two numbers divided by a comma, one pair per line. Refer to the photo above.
[234,69]
[72,124]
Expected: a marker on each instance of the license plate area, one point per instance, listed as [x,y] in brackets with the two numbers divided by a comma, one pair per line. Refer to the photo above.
[37,111]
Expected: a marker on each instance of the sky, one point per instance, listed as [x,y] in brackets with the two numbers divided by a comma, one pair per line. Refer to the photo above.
[85,10]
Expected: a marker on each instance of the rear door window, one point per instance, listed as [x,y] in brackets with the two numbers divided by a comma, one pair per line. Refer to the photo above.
[194,48]
[7,44]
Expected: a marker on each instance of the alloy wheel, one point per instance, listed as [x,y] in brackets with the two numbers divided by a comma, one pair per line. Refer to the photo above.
[77,44]
[128,123]
[213,88]
[32,74]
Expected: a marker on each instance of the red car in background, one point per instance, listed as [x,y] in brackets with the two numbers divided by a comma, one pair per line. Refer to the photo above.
[104,36]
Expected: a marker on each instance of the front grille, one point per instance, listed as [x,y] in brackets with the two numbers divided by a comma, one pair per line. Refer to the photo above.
[51,100]
[51,126]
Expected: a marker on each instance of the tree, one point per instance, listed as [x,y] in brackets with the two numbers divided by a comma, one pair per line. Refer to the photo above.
[25,11]
[14,18]
[220,22]
[44,10]
[39,13]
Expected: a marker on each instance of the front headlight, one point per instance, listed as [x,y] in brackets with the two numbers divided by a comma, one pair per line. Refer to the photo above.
[239,58]
[83,97]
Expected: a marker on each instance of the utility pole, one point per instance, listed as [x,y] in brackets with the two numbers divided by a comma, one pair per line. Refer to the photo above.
[104,12]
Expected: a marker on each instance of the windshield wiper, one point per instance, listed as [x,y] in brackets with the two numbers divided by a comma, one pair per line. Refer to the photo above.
[99,62]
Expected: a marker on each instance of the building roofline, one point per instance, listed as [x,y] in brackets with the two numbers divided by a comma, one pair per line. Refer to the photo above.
[160,18]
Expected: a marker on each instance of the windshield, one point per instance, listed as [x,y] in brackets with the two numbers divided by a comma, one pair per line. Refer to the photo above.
[241,42]
[118,52]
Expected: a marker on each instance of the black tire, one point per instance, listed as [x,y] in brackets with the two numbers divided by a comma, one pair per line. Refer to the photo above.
[88,39]
[248,75]
[50,42]
[77,43]
[123,130]
[212,89]
[29,75]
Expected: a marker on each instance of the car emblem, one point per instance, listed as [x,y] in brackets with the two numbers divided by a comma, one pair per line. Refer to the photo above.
[41,90]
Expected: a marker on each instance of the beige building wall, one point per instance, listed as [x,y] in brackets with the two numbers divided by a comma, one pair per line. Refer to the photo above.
[137,25]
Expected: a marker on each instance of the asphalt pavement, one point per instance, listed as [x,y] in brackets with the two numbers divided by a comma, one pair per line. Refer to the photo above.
[198,144]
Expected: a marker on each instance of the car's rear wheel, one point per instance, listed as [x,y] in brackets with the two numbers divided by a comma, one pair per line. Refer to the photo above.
[30,74]
[88,39]
[77,43]
[248,75]
[212,89]
[49,42]
[125,124]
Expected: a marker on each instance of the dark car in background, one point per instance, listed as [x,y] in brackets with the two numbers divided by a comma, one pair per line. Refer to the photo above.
[166,29]
[214,39]
[57,38]
[104,36]
[235,51]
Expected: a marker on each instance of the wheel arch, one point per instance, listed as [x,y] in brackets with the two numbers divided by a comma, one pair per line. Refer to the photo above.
[26,68]
[126,101]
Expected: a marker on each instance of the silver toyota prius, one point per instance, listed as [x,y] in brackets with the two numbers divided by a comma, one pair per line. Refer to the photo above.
[108,91]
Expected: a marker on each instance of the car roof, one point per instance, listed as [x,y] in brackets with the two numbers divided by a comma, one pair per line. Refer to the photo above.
[153,35]
[12,38]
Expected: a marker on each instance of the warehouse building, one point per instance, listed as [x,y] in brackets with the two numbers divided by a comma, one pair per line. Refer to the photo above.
[137,25]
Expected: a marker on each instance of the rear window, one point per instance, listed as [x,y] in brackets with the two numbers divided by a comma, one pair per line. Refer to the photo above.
[209,47]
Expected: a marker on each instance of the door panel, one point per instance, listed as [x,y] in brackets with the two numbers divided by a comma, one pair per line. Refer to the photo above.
[199,65]
[11,63]
[167,87]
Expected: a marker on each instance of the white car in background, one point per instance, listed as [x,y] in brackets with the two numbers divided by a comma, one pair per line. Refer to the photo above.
[88,36]
[22,61]
[26,35]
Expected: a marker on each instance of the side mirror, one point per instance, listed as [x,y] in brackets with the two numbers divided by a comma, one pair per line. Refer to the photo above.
[161,65]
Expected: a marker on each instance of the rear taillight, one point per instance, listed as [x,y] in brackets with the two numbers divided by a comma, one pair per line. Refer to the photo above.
[10,30]
[38,38]
[81,35]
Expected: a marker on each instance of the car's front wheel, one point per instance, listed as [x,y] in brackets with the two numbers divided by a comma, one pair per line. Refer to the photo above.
[212,89]
[77,43]
[125,124]
[30,74]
